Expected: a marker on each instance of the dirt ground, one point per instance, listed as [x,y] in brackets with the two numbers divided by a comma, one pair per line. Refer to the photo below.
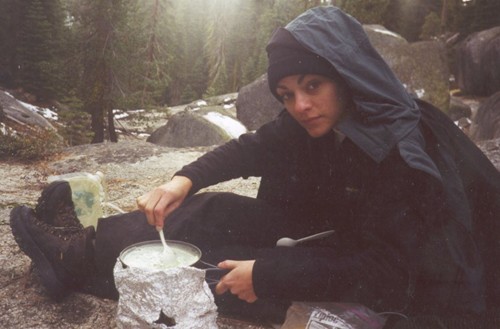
[131,168]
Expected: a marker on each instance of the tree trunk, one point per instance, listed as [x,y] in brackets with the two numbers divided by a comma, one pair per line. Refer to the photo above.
[97,124]
[113,137]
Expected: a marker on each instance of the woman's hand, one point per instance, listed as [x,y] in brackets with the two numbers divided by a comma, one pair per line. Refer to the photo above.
[238,281]
[161,201]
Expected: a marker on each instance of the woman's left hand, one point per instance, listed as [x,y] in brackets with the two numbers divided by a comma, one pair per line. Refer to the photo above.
[238,281]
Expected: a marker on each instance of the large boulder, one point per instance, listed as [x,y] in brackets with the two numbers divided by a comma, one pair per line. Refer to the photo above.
[22,113]
[422,67]
[486,123]
[491,148]
[205,126]
[256,105]
[459,109]
[478,63]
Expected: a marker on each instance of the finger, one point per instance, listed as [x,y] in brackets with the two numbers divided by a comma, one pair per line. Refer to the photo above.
[247,297]
[162,209]
[227,264]
[220,288]
[156,206]
[251,299]
[158,212]
[150,206]
[141,201]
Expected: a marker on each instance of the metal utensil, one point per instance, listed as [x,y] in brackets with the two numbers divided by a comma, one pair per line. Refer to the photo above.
[289,242]
[168,253]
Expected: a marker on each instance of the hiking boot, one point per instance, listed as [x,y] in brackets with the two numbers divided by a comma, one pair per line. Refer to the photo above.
[55,206]
[63,256]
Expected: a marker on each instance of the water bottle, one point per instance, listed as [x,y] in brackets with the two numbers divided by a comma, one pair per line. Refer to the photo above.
[88,195]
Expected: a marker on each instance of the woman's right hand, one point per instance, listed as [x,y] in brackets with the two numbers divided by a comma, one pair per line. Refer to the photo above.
[158,203]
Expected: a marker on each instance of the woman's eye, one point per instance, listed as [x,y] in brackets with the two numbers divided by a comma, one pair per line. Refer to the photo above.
[286,96]
[312,85]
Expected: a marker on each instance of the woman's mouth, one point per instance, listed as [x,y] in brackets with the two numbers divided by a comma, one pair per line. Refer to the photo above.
[310,121]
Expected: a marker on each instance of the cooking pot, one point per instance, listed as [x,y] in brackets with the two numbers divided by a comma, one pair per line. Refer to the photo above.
[187,254]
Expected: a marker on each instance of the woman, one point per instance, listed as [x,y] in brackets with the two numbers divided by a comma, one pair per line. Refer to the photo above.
[352,152]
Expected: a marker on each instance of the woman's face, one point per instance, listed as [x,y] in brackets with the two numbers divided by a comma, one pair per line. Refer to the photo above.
[313,101]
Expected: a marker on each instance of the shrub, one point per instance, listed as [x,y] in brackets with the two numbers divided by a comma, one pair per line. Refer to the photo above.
[37,145]
[75,127]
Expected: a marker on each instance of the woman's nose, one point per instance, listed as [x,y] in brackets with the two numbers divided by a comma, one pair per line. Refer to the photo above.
[302,103]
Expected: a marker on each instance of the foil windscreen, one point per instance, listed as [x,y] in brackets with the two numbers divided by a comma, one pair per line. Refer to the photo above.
[173,298]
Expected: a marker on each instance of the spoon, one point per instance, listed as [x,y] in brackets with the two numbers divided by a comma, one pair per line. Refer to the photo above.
[289,242]
[168,253]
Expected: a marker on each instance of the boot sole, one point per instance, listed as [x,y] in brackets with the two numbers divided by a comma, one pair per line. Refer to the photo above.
[54,287]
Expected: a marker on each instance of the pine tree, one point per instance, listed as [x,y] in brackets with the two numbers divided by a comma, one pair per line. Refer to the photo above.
[217,45]
[187,67]
[480,15]
[37,50]
[8,18]
[431,27]
[151,50]
[104,25]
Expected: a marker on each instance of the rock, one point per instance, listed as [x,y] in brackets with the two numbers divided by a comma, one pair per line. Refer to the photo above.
[227,99]
[21,114]
[491,148]
[204,122]
[486,123]
[205,126]
[256,105]
[478,63]
[421,66]
[458,109]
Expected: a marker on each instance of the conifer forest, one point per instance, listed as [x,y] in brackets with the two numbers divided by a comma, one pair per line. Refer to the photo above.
[97,55]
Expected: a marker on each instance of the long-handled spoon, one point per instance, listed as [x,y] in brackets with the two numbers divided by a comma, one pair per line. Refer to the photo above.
[168,253]
[289,242]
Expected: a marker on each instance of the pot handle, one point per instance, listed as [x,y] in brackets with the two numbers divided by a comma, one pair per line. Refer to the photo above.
[213,273]
[211,267]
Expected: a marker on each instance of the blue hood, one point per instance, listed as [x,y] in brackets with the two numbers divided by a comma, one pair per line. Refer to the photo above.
[385,115]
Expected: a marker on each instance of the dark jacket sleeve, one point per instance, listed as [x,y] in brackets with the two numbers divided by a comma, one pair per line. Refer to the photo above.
[379,268]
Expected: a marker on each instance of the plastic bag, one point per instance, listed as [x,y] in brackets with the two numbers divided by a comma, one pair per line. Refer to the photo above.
[331,316]
[87,193]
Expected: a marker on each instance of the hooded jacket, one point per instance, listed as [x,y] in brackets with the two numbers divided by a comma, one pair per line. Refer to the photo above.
[402,190]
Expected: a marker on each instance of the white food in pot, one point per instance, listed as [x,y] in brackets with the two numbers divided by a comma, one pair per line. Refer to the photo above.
[151,257]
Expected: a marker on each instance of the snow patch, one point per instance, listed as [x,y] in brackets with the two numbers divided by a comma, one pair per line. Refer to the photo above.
[119,114]
[44,112]
[387,32]
[3,128]
[233,127]
[420,92]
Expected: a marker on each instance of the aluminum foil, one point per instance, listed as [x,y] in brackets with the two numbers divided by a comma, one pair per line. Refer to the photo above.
[172,298]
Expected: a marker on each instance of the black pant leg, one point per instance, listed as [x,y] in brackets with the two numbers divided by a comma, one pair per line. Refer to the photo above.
[222,225]
[213,220]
